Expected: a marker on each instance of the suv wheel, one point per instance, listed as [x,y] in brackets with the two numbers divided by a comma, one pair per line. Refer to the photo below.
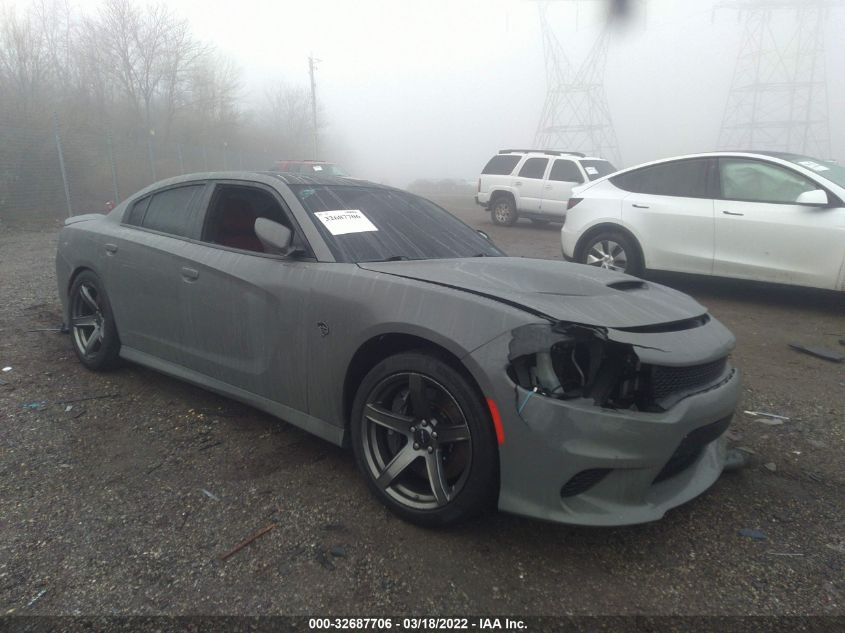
[612,250]
[503,211]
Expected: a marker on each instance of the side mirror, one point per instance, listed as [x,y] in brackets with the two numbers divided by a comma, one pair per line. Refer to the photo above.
[483,234]
[815,198]
[275,238]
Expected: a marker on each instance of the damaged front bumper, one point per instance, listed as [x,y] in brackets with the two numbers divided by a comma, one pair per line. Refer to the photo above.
[580,458]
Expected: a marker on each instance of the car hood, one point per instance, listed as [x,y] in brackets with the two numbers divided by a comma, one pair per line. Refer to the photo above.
[559,291]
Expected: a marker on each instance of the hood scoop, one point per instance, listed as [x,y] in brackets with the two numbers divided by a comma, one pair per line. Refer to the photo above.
[625,285]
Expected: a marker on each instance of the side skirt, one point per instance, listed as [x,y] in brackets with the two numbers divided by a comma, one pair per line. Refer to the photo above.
[320,428]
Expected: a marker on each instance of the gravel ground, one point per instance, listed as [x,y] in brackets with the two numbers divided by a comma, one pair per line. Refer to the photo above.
[125,504]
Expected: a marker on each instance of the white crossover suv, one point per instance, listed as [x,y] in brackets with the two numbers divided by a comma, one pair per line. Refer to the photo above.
[534,184]
[763,216]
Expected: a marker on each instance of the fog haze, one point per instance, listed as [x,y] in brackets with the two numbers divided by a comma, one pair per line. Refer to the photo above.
[431,89]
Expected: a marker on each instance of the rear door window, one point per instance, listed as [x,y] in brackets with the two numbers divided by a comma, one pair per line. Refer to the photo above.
[534,168]
[500,165]
[682,179]
[566,171]
[170,211]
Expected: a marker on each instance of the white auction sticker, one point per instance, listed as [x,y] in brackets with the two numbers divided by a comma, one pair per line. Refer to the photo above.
[345,221]
[809,164]
[592,171]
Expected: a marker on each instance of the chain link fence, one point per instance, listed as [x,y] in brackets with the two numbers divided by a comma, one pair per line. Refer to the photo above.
[56,172]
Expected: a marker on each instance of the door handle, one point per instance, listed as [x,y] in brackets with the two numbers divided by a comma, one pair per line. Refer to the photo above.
[732,213]
[548,186]
[190,274]
[639,206]
[111,249]
[517,184]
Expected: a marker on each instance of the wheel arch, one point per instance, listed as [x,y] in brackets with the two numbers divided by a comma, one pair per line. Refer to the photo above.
[609,226]
[499,193]
[382,346]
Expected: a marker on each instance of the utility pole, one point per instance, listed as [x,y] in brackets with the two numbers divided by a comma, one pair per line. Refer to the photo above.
[778,97]
[576,115]
[312,66]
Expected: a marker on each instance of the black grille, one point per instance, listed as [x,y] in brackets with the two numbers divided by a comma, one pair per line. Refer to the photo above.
[583,481]
[667,381]
[691,447]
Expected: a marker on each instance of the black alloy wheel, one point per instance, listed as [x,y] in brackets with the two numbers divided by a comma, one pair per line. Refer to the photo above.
[93,331]
[424,440]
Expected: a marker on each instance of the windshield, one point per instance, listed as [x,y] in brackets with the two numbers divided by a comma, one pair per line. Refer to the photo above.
[326,169]
[365,224]
[826,169]
[597,168]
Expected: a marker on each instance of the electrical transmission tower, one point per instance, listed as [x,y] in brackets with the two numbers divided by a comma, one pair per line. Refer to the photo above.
[778,98]
[575,115]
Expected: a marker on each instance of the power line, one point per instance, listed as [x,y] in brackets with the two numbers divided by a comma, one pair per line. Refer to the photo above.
[576,115]
[778,97]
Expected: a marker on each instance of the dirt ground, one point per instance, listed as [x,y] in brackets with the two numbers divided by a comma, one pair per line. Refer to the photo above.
[125,504]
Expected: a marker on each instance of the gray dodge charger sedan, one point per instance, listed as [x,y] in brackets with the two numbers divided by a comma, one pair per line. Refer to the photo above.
[461,378]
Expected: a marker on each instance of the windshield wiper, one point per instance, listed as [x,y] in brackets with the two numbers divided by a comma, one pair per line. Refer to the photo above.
[392,258]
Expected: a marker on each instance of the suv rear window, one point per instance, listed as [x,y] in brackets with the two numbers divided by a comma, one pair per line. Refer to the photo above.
[534,168]
[500,165]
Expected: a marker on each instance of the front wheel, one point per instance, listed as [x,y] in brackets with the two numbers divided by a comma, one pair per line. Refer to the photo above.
[614,251]
[92,326]
[424,440]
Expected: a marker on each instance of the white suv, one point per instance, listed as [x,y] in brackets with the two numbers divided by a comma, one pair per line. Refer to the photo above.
[534,183]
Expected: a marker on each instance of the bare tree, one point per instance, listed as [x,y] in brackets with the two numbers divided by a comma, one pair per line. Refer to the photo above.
[289,118]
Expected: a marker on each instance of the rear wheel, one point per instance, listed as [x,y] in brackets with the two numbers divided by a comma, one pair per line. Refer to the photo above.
[612,250]
[93,331]
[503,211]
[424,441]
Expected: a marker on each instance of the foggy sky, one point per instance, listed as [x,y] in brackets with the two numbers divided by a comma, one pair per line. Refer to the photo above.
[431,89]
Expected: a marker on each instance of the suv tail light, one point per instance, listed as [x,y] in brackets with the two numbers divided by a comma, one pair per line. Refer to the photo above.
[572,202]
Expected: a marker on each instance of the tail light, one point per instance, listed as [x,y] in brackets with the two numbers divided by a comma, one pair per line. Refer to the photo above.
[572,202]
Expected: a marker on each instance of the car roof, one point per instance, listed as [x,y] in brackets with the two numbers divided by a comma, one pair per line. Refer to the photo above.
[261,176]
[548,152]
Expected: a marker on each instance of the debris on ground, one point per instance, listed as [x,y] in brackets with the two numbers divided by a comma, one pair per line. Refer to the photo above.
[84,398]
[7,369]
[3,382]
[246,542]
[784,553]
[820,352]
[338,552]
[735,460]
[763,414]
[757,535]
[35,406]
[770,466]
[324,560]
[38,597]
[209,494]
[46,329]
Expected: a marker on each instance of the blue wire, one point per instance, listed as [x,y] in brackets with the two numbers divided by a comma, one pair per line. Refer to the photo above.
[524,402]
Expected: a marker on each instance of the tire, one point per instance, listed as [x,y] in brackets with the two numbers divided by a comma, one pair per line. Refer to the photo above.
[403,467]
[503,211]
[612,250]
[93,332]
